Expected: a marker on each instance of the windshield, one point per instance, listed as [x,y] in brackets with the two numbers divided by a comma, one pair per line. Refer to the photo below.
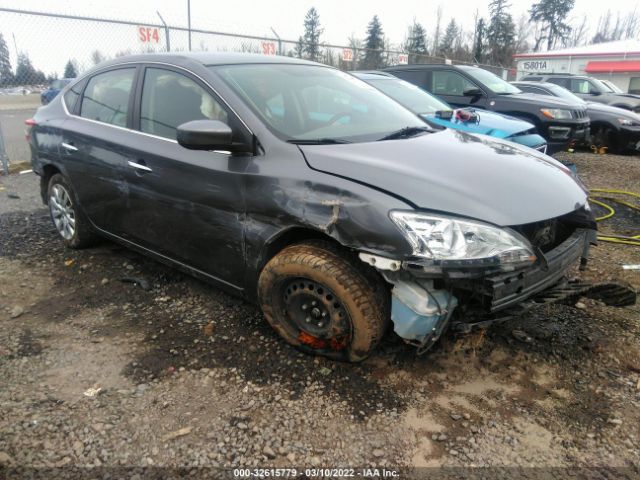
[308,102]
[562,92]
[409,95]
[492,82]
[601,86]
[612,86]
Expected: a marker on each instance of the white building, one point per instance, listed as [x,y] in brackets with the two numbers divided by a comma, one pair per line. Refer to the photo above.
[617,61]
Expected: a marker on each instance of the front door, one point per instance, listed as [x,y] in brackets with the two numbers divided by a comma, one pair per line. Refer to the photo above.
[184,204]
[451,85]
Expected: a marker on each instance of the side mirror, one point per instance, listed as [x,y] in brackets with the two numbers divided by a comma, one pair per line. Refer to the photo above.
[595,92]
[472,92]
[205,135]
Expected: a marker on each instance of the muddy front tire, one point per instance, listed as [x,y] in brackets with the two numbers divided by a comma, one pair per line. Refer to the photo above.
[324,301]
[69,220]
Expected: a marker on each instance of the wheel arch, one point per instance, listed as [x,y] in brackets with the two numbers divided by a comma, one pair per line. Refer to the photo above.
[48,171]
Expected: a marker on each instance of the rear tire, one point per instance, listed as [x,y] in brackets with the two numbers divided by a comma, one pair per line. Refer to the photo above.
[70,222]
[324,301]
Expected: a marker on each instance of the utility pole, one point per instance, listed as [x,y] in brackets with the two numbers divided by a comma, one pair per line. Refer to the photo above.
[189,21]
[15,45]
[166,31]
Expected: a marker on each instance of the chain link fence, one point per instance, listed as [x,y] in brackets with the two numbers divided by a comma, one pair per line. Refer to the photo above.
[38,50]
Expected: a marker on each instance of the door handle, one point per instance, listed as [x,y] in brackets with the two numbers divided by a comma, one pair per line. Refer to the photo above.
[139,166]
[68,146]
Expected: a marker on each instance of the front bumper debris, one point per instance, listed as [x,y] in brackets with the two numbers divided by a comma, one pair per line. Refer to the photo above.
[614,294]
[424,300]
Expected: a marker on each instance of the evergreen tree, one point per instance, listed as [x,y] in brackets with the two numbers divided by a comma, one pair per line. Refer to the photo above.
[25,73]
[552,14]
[416,44]
[6,72]
[373,44]
[447,44]
[479,42]
[299,48]
[501,33]
[312,32]
[70,70]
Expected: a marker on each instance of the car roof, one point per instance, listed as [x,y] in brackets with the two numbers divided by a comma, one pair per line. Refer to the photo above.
[536,84]
[571,75]
[415,66]
[373,75]
[208,58]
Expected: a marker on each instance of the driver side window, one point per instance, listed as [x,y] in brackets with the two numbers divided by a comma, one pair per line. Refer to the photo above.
[170,99]
[450,83]
[580,86]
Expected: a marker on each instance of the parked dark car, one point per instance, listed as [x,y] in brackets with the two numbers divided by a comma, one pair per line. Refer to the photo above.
[588,88]
[440,114]
[306,190]
[50,93]
[616,128]
[560,122]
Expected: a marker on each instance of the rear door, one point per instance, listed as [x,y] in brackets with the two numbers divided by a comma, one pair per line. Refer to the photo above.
[184,204]
[91,147]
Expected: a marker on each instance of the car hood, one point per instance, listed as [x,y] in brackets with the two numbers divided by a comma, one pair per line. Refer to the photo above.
[617,111]
[625,95]
[458,173]
[492,124]
[542,101]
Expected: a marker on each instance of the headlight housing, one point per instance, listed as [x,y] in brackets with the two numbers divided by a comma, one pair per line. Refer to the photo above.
[628,122]
[557,113]
[452,241]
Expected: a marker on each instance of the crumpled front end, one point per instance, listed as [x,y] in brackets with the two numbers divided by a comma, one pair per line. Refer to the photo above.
[426,295]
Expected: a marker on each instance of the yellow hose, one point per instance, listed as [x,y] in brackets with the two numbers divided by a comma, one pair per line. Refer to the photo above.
[613,238]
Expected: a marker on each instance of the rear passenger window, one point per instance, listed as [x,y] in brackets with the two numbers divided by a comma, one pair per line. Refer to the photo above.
[448,82]
[170,99]
[72,95]
[106,98]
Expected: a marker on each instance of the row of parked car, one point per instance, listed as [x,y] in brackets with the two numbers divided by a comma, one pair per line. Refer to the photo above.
[545,105]
[312,193]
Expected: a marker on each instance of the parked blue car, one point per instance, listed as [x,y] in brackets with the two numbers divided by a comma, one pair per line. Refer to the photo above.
[438,113]
[50,93]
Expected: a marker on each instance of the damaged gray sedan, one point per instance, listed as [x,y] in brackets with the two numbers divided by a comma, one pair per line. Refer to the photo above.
[309,192]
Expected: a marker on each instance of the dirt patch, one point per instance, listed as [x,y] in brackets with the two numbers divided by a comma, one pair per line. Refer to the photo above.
[185,357]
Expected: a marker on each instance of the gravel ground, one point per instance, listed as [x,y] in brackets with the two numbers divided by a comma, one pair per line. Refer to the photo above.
[100,375]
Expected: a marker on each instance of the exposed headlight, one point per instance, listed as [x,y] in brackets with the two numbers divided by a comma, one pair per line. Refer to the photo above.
[451,240]
[556,113]
[628,123]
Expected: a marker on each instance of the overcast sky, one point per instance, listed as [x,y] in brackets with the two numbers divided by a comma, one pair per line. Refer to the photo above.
[339,18]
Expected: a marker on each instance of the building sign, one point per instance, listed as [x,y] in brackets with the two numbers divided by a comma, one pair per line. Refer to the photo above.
[347,55]
[403,59]
[269,48]
[537,65]
[148,34]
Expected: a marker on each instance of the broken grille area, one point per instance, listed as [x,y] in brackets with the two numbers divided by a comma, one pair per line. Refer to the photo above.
[548,234]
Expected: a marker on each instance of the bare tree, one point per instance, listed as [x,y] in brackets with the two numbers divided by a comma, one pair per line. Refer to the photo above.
[524,30]
[579,34]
